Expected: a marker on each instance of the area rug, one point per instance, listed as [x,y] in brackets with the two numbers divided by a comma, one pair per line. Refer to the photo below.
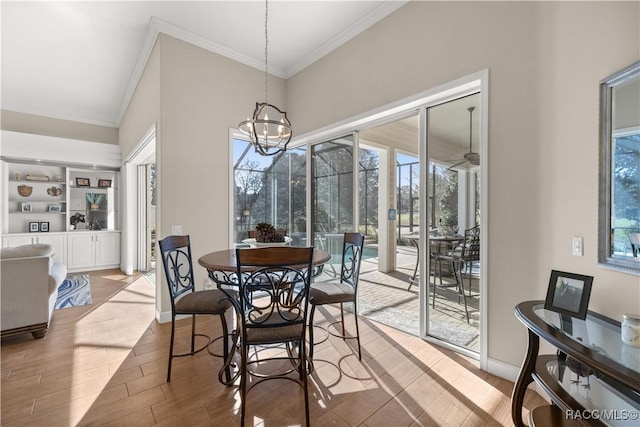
[73,292]
[410,322]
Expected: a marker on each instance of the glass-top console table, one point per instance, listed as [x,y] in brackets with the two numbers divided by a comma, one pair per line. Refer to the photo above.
[595,377]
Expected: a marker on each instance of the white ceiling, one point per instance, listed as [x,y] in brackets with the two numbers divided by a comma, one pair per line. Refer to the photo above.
[80,60]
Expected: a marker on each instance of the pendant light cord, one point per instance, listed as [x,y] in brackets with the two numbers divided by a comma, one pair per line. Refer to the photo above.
[266,47]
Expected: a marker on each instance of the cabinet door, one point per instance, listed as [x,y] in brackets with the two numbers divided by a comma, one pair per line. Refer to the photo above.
[107,247]
[59,243]
[13,241]
[80,250]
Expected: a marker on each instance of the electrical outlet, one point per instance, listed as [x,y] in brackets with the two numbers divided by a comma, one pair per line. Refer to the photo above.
[176,229]
[577,245]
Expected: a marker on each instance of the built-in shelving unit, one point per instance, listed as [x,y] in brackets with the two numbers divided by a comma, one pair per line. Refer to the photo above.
[41,198]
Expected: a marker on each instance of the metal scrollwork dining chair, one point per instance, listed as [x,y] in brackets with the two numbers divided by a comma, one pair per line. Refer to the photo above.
[271,301]
[340,291]
[185,300]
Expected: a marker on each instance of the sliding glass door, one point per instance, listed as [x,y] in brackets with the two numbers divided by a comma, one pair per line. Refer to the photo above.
[452,236]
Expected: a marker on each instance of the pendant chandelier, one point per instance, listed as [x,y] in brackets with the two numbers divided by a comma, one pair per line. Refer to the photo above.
[269,128]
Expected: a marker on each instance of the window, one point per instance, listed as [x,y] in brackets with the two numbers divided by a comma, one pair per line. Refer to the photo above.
[269,189]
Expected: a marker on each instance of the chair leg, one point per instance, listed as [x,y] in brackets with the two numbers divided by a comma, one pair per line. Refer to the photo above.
[193,333]
[243,383]
[342,320]
[313,310]
[225,346]
[461,293]
[355,314]
[305,383]
[173,331]
[415,273]
[469,265]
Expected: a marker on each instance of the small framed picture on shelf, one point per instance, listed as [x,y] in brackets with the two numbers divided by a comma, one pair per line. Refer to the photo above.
[34,227]
[55,208]
[83,182]
[568,294]
[26,207]
[104,183]
[44,227]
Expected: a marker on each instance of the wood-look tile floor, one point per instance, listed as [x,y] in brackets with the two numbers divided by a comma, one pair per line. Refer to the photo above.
[105,364]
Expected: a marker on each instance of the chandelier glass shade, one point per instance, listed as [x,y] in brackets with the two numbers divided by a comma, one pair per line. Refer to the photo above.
[268,128]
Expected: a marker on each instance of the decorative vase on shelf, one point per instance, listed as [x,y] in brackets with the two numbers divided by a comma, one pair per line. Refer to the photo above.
[94,206]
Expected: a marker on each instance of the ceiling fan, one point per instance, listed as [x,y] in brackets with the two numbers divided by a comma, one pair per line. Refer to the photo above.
[472,157]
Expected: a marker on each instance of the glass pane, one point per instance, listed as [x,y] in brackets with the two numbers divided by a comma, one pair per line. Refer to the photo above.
[408,190]
[625,194]
[269,189]
[332,195]
[369,171]
[453,213]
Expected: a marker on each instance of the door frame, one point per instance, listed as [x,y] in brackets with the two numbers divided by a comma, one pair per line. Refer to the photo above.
[418,103]
[145,149]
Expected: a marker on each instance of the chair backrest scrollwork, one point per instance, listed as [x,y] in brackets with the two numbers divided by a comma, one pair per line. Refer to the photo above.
[178,265]
[351,258]
[273,285]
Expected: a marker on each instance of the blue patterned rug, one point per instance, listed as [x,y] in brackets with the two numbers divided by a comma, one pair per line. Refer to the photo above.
[73,292]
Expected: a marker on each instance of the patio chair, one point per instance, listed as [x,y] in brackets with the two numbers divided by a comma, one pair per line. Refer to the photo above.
[462,259]
[272,304]
[339,292]
[185,300]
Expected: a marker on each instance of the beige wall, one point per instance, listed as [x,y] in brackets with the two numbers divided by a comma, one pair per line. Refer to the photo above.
[203,96]
[200,96]
[545,62]
[144,109]
[39,125]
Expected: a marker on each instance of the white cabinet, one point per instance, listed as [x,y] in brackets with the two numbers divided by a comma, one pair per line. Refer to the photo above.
[57,240]
[90,251]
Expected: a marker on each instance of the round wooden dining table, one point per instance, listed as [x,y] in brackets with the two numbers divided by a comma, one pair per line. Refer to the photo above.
[223,270]
[222,265]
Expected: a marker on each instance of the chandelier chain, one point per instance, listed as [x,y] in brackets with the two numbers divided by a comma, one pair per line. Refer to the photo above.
[266,47]
[269,128]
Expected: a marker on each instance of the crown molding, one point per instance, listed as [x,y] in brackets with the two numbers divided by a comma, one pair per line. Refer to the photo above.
[157,26]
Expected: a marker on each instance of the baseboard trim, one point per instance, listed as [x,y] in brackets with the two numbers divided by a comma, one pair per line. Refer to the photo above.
[502,369]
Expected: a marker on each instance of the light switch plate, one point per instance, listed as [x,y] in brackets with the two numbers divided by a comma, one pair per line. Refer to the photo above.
[176,229]
[577,245]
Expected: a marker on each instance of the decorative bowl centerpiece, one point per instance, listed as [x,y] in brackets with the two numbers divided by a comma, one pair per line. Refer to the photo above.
[25,190]
[267,235]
